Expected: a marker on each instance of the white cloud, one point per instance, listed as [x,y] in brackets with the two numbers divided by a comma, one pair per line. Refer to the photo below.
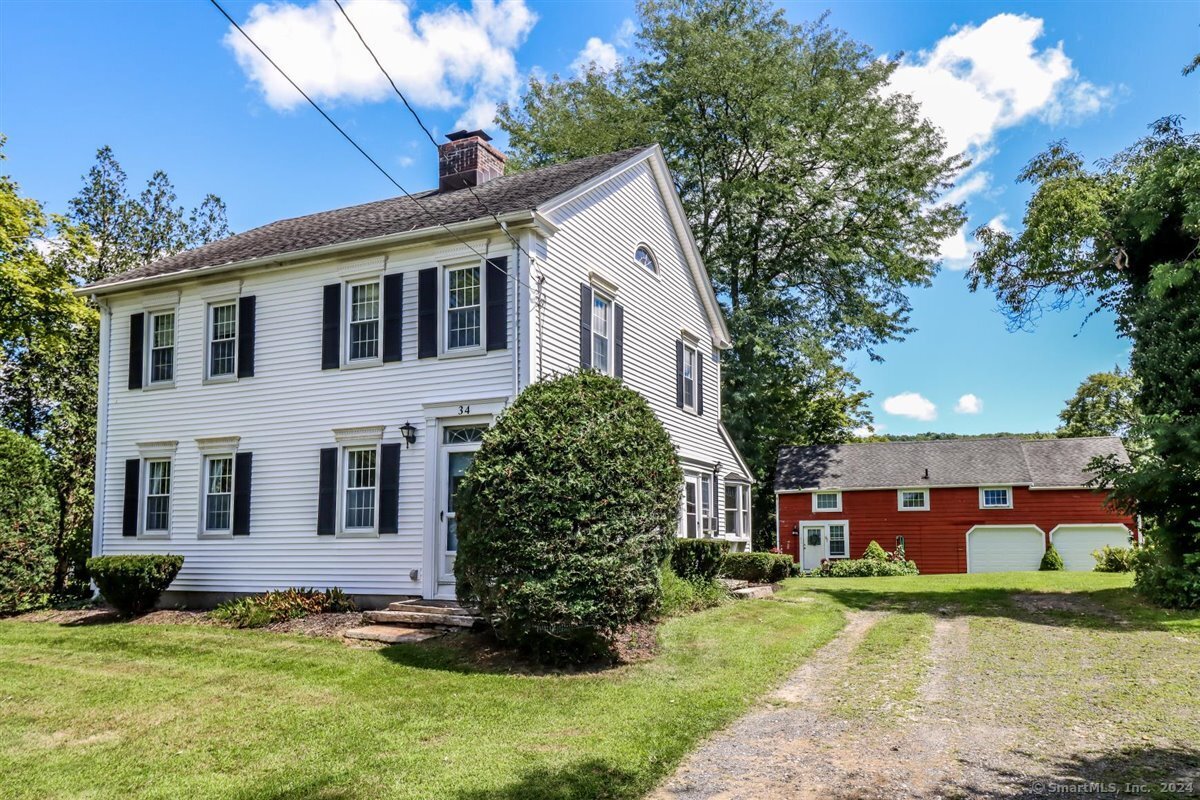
[968,404]
[958,251]
[911,405]
[452,58]
[869,430]
[980,80]
[596,53]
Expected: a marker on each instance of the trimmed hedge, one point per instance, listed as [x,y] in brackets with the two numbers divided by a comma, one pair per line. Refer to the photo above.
[1051,561]
[866,568]
[697,559]
[756,567]
[132,584]
[258,610]
[566,516]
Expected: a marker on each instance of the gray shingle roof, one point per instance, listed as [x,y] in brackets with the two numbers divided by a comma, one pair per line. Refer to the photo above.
[524,191]
[950,462]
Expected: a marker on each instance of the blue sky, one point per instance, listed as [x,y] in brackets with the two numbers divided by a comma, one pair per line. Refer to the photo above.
[161,84]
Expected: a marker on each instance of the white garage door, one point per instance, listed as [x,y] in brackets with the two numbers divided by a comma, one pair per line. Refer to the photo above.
[996,548]
[1075,543]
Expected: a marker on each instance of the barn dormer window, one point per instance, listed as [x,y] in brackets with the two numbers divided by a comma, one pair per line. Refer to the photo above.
[644,257]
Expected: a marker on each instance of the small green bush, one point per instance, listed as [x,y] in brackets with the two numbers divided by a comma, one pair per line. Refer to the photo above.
[258,610]
[866,568]
[756,567]
[1051,561]
[566,516]
[697,559]
[132,584]
[1164,583]
[875,552]
[682,596]
[1113,559]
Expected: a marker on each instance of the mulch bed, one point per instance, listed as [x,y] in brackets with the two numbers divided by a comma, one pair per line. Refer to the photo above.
[322,625]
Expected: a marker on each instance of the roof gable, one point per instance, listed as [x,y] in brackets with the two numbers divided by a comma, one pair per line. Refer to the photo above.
[1039,463]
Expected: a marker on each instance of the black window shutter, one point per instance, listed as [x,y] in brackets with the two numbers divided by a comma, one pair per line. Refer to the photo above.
[327,492]
[137,340]
[389,488]
[245,344]
[496,284]
[331,327]
[699,382]
[585,326]
[393,316]
[618,341]
[427,313]
[243,465]
[129,513]
[679,373]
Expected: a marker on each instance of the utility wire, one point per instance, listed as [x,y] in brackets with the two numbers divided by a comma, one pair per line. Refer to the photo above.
[367,155]
[428,135]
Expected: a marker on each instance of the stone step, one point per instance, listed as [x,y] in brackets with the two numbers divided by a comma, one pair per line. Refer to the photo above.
[418,619]
[429,607]
[754,592]
[390,634]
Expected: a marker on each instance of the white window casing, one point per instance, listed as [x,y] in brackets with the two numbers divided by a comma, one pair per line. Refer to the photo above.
[218,493]
[912,499]
[364,301]
[602,333]
[221,355]
[995,497]
[462,309]
[691,357]
[160,348]
[825,502]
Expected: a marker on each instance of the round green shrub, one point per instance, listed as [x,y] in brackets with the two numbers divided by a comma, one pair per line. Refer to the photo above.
[875,552]
[27,524]
[1051,561]
[132,584]
[566,516]
[697,559]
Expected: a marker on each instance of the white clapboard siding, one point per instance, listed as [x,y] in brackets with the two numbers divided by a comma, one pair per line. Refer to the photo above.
[599,232]
[284,415]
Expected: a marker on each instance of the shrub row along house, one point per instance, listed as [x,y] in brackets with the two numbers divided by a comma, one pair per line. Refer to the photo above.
[957,505]
[295,405]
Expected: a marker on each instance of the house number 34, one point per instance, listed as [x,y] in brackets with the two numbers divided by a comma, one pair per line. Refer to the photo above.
[464,410]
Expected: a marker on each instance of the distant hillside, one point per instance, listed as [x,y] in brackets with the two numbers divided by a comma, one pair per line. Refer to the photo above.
[933,436]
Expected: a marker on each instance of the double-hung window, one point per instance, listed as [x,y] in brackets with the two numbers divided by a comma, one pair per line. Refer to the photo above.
[222,340]
[995,497]
[464,313]
[839,545]
[360,484]
[602,315]
[913,499]
[690,369]
[158,496]
[737,509]
[218,494]
[162,347]
[362,339]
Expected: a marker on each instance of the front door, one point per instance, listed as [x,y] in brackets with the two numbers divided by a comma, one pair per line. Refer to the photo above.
[812,546]
[459,444]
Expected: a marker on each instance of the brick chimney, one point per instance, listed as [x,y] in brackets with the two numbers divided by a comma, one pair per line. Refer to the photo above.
[468,160]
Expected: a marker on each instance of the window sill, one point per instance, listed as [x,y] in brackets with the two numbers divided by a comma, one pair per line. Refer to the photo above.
[912,509]
[158,385]
[357,535]
[220,379]
[995,508]
[215,535]
[154,535]
[463,352]
[838,510]
[362,363]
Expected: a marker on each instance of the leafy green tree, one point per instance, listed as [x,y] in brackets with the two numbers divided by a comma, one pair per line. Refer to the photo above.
[50,337]
[27,517]
[810,187]
[1103,405]
[1126,235]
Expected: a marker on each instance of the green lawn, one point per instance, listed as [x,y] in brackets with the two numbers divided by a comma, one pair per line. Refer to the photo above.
[186,711]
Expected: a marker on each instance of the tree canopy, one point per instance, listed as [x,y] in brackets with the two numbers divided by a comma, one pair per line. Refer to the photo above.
[812,191]
[1103,405]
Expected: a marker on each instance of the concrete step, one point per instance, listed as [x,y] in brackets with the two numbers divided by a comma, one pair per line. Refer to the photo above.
[419,619]
[390,634]
[754,592]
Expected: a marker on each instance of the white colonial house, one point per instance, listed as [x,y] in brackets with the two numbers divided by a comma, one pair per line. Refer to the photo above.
[294,405]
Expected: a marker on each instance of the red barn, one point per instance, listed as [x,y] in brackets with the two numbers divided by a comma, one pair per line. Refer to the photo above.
[956,505]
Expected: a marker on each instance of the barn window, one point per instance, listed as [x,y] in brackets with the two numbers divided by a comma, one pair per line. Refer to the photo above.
[827,501]
[995,497]
[913,500]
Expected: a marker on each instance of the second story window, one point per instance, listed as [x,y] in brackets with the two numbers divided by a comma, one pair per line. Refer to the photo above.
[690,358]
[827,501]
[601,334]
[222,340]
[363,322]
[995,497]
[913,500]
[463,311]
[158,496]
[644,257]
[162,347]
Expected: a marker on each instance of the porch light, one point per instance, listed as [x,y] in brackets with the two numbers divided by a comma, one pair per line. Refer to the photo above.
[409,433]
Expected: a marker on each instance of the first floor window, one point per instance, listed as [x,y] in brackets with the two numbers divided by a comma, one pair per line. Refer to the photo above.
[463,311]
[838,544]
[601,333]
[218,493]
[158,495]
[709,524]
[222,340]
[162,347]
[690,368]
[699,511]
[363,338]
[914,499]
[360,488]
[737,509]
[690,500]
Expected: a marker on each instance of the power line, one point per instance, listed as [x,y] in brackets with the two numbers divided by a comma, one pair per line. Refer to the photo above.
[428,135]
[367,155]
